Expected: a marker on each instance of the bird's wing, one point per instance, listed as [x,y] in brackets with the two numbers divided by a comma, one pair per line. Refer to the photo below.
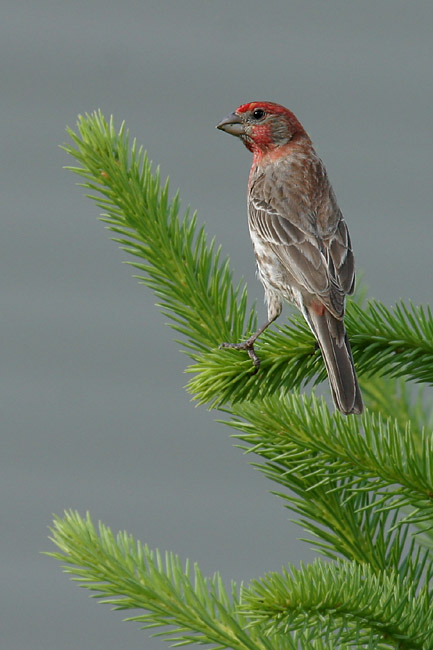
[322,265]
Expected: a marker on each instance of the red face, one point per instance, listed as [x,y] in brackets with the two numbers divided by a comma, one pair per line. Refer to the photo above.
[262,126]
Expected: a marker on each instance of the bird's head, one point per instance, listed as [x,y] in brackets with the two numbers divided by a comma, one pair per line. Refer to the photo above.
[262,126]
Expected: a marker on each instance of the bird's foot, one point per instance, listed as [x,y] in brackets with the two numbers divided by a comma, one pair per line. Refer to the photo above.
[247,345]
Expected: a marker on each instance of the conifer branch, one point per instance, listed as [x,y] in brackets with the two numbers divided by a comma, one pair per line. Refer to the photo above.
[347,598]
[300,432]
[129,576]
[351,481]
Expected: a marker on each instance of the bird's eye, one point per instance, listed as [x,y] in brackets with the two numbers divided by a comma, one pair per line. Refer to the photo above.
[258,114]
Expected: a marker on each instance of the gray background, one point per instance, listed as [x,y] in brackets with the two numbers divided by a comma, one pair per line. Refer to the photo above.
[94,415]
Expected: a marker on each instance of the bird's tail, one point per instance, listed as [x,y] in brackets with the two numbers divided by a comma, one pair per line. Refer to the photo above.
[335,347]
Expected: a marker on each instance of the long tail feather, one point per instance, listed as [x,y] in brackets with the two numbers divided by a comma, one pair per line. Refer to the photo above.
[335,347]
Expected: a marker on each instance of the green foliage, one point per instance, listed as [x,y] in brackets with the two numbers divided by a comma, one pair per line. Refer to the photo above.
[299,434]
[362,487]
[347,597]
[127,575]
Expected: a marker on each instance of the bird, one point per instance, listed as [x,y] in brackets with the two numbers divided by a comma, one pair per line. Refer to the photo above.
[300,238]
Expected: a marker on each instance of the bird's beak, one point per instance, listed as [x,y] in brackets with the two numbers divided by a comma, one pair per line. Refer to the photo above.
[232,124]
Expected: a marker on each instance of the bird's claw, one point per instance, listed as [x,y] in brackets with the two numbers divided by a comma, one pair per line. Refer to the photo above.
[249,347]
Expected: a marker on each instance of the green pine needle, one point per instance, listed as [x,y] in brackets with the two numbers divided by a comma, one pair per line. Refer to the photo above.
[346,597]
[130,576]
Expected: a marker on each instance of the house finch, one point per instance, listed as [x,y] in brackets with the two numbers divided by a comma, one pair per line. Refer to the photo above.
[300,238]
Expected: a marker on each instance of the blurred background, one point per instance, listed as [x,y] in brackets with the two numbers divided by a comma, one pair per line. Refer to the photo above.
[94,413]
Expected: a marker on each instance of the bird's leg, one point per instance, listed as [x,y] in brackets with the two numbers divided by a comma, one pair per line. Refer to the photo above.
[248,345]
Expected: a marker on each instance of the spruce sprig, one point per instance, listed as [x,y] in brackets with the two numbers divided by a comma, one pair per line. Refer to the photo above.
[348,598]
[178,598]
[300,432]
